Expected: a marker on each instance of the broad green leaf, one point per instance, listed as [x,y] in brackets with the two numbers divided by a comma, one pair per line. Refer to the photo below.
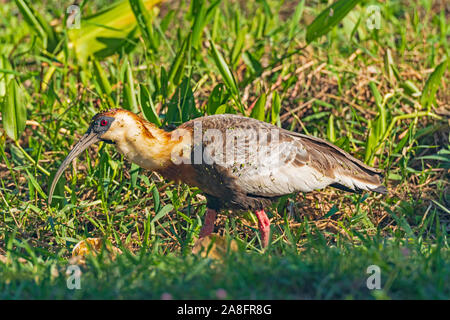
[252,63]
[376,94]
[14,111]
[106,32]
[217,97]
[147,106]
[258,111]
[432,84]
[329,18]
[221,109]
[216,23]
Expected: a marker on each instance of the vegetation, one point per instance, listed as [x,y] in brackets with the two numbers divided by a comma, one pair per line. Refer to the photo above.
[369,76]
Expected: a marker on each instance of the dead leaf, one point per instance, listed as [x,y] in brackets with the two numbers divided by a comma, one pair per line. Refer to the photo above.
[3,259]
[90,246]
[214,246]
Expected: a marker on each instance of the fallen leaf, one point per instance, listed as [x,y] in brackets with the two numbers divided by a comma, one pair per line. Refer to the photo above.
[214,246]
[3,259]
[90,246]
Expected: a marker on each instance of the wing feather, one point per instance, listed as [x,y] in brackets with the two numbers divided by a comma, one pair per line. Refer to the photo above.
[260,159]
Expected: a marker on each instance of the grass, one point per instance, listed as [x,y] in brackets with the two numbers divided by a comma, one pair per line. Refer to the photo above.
[380,94]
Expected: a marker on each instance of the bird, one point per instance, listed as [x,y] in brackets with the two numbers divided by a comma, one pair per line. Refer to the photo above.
[239,163]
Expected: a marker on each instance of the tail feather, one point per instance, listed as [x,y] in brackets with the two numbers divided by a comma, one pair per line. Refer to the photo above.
[380,189]
[349,173]
[344,188]
[358,184]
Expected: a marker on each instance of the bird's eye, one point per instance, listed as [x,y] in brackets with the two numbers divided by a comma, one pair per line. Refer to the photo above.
[103,122]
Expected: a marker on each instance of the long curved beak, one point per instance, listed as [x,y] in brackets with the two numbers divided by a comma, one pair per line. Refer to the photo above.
[88,139]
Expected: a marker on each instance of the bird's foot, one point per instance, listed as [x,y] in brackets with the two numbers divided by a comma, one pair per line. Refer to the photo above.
[264,227]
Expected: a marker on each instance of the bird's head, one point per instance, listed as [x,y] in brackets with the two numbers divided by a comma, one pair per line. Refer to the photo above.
[112,126]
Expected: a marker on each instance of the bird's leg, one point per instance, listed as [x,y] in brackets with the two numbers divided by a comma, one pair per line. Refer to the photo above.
[208,225]
[264,227]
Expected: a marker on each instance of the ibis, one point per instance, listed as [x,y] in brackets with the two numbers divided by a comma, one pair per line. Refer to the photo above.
[239,163]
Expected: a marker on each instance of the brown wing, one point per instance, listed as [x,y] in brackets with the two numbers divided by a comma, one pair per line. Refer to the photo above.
[260,159]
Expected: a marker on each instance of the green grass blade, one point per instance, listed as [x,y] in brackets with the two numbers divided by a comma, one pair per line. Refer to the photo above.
[389,66]
[276,108]
[179,62]
[5,76]
[432,84]
[331,131]
[226,74]
[144,21]
[217,97]
[130,98]
[199,24]
[381,108]
[36,185]
[14,113]
[296,18]
[410,88]
[224,70]
[103,83]
[238,46]
[371,141]
[38,24]
[329,18]
[161,213]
